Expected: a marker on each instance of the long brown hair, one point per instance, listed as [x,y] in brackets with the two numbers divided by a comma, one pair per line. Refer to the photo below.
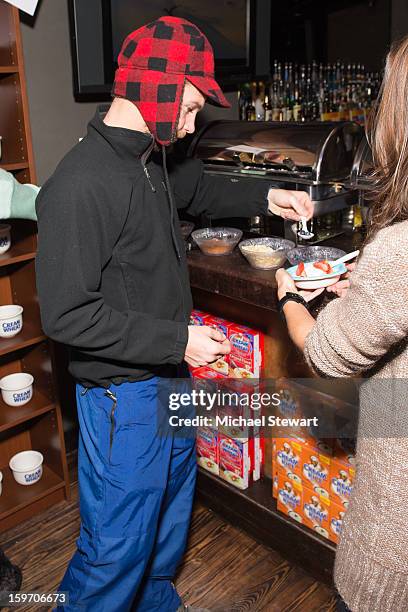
[388,136]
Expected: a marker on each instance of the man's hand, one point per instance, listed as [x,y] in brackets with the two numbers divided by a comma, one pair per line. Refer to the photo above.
[286,284]
[290,204]
[205,345]
[342,286]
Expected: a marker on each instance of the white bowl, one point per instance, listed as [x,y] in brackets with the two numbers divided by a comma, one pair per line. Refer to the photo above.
[1,486]
[317,281]
[317,284]
[11,320]
[17,389]
[5,240]
[27,467]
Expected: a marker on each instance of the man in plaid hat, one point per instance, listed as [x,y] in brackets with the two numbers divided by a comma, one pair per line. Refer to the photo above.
[113,285]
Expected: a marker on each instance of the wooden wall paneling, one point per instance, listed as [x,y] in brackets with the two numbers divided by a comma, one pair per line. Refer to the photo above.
[12,126]
[10,363]
[34,360]
[26,512]
[24,97]
[8,54]
[6,295]
[37,361]
[23,175]
[68,388]
[11,444]
[45,439]
[23,233]
[22,281]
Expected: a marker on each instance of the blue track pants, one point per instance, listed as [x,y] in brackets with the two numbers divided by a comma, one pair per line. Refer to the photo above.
[136,486]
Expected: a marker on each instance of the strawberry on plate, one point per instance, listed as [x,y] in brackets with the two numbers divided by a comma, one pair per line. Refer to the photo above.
[300,270]
[324,266]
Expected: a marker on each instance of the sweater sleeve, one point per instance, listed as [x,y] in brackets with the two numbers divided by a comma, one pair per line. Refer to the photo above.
[217,196]
[77,234]
[17,201]
[353,333]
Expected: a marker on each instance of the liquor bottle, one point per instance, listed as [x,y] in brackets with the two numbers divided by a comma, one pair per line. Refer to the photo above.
[288,104]
[297,106]
[259,102]
[275,71]
[250,111]
[267,107]
[244,100]
[306,92]
[281,102]
[275,101]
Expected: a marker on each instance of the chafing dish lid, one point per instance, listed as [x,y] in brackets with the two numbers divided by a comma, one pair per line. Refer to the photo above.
[318,151]
[362,170]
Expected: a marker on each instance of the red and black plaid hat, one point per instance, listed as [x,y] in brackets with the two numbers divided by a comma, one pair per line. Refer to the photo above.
[155,62]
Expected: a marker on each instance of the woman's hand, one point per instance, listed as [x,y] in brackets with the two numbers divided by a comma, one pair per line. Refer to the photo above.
[286,284]
[298,319]
[342,286]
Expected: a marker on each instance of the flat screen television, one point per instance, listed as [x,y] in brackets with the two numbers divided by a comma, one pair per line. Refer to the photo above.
[98,28]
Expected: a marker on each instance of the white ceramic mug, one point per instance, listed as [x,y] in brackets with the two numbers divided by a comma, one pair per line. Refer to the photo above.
[17,389]
[27,467]
[11,320]
[5,240]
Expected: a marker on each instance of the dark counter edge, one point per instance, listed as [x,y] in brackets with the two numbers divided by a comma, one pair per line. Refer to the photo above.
[232,277]
[254,511]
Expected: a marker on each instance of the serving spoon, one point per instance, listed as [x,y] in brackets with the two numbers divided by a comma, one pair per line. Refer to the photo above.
[304,232]
[344,258]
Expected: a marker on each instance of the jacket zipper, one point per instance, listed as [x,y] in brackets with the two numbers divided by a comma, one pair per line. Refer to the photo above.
[112,419]
[153,188]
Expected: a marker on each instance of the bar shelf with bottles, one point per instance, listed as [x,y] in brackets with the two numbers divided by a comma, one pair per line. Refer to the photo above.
[311,92]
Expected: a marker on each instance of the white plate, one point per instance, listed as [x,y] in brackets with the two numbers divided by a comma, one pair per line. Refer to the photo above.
[317,282]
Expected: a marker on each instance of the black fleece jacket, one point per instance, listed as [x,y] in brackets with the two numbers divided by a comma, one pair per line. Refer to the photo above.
[112,275]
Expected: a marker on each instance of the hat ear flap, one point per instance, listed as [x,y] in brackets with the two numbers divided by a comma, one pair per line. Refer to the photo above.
[159,102]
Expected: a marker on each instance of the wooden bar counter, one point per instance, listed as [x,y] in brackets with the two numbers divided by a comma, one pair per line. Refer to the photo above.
[228,287]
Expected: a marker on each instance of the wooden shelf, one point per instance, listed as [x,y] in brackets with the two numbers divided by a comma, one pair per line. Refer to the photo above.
[23,242]
[29,335]
[15,497]
[38,424]
[9,69]
[15,254]
[16,166]
[254,510]
[11,416]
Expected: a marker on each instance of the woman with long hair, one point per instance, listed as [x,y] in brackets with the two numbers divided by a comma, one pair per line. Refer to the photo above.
[365,333]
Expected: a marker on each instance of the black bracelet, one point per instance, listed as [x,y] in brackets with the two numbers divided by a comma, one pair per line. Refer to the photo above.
[291,297]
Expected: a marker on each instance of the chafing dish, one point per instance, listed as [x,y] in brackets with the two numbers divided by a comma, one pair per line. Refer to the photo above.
[314,157]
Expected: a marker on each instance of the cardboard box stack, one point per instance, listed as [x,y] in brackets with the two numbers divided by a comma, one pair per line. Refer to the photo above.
[247,347]
[312,482]
[312,478]
[235,453]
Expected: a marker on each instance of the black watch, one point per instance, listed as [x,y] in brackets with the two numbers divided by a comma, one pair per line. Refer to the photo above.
[291,297]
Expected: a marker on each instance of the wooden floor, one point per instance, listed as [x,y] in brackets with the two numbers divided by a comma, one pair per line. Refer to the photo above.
[224,570]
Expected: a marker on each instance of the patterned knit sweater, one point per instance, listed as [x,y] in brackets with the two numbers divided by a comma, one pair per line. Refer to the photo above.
[366,334]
